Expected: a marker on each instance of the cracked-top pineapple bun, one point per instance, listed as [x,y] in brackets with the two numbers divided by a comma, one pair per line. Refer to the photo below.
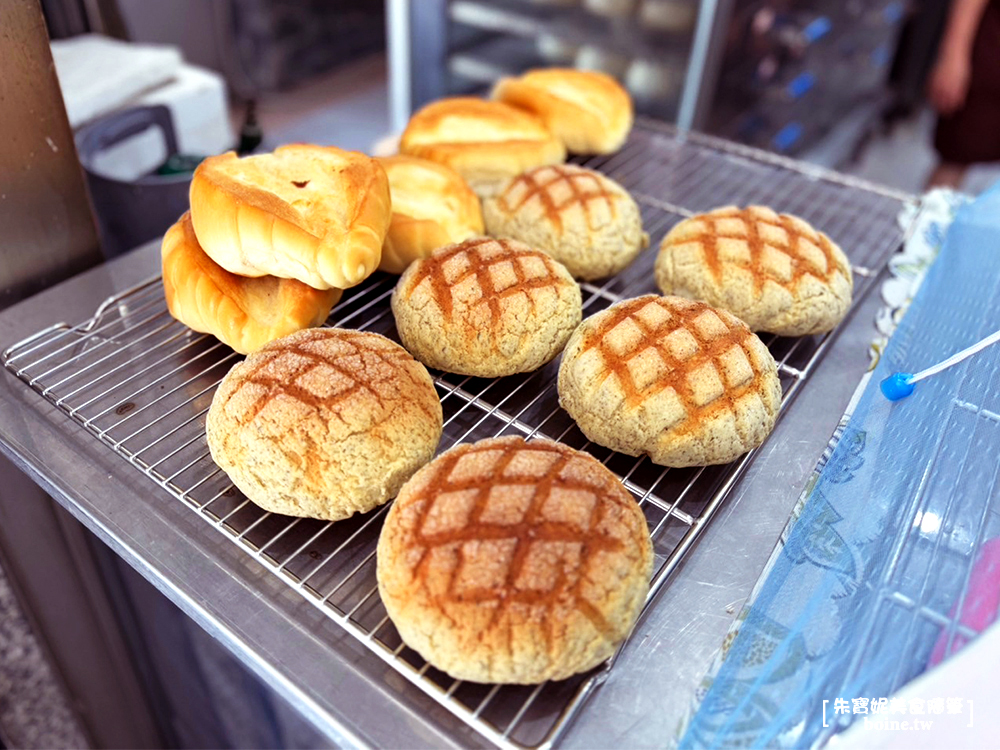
[514,562]
[324,423]
[674,379]
[486,307]
[773,271]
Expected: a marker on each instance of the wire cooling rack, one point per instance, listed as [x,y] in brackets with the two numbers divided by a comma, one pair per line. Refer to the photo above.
[142,383]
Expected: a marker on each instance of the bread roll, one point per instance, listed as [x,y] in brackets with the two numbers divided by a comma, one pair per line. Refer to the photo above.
[312,213]
[324,423]
[587,110]
[511,562]
[486,307]
[243,313]
[673,379]
[431,207]
[581,218]
[774,271]
[485,142]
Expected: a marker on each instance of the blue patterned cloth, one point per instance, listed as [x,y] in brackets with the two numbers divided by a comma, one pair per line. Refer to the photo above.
[885,540]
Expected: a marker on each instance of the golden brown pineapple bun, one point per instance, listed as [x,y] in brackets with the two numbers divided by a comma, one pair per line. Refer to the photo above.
[773,271]
[586,221]
[324,423]
[486,307]
[513,562]
[674,379]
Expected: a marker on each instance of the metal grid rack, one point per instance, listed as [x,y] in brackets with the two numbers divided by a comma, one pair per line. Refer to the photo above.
[142,383]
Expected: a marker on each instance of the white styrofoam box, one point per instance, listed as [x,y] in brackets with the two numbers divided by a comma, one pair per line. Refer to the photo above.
[98,75]
[200,111]
[200,108]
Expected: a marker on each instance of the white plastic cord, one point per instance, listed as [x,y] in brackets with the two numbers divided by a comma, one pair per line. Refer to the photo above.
[954,359]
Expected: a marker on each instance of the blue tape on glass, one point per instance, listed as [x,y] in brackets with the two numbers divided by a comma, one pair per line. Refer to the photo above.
[785,138]
[895,525]
[800,84]
[817,29]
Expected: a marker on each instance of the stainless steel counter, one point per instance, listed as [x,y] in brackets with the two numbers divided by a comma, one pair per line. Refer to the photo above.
[347,692]
[330,674]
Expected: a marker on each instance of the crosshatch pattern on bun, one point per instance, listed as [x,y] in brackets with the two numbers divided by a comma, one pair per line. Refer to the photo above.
[773,271]
[677,380]
[514,562]
[586,221]
[486,307]
[324,423]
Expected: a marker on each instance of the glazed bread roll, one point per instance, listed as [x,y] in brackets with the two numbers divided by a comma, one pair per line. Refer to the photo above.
[431,207]
[486,307]
[484,141]
[511,562]
[581,218]
[774,271]
[312,213]
[587,110]
[243,313]
[677,380]
[324,423]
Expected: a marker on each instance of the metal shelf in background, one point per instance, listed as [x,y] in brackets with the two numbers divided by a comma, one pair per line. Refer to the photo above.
[141,383]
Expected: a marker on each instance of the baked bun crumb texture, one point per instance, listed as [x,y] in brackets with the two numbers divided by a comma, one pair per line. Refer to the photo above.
[486,307]
[324,423]
[511,562]
[774,271]
[677,380]
[586,221]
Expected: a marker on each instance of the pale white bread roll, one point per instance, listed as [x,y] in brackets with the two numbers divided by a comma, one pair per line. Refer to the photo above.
[243,313]
[432,206]
[586,109]
[312,213]
[486,142]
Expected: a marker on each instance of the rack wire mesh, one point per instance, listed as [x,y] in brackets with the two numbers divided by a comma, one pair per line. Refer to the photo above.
[142,383]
